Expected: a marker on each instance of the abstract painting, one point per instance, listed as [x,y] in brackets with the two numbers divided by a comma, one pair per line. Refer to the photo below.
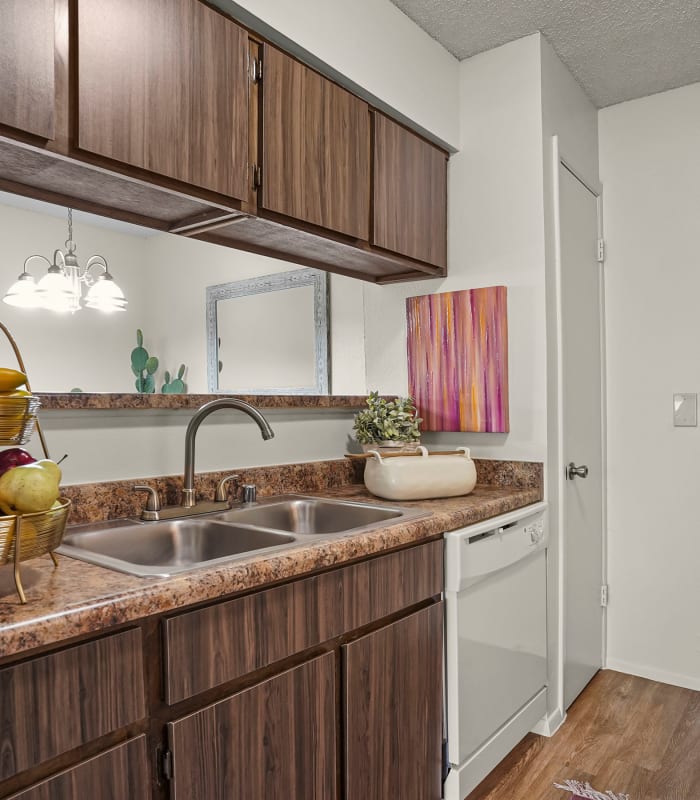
[458,359]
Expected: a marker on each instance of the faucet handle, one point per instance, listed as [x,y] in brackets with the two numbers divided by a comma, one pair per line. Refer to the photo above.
[221,495]
[250,493]
[150,513]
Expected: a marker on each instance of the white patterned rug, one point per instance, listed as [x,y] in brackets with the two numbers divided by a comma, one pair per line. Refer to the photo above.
[584,791]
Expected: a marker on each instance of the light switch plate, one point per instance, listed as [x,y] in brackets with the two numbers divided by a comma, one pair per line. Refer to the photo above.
[685,410]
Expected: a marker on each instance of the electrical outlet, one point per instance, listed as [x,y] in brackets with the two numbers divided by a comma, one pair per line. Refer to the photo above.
[685,410]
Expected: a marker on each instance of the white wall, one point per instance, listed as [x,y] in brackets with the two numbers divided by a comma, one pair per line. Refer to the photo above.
[377,47]
[651,172]
[118,445]
[495,236]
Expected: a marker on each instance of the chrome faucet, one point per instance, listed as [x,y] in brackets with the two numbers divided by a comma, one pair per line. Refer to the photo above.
[200,415]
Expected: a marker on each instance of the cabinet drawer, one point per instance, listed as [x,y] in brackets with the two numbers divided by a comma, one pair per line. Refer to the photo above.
[60,701]
[117,774]
[243,635]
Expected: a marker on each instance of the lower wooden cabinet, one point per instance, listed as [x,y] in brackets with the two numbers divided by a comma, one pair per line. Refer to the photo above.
[117,774]
[62,701]
[393,710]
[274,741]
[337,696]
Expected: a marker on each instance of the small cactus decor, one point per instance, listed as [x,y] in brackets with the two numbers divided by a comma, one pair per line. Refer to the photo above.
[176,385]
[143,366]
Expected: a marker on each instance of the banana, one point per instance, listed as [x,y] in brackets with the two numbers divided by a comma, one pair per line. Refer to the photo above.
[10,379]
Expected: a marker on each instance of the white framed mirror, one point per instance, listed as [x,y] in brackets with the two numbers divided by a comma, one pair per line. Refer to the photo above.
[269,334]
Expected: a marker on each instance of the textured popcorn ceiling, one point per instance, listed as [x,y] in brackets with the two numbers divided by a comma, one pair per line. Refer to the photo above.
[617,49]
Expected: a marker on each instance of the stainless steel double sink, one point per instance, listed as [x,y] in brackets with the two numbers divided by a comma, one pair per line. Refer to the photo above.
[172,546]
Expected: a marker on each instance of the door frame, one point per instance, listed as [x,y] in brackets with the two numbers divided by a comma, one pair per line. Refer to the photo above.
[557,456]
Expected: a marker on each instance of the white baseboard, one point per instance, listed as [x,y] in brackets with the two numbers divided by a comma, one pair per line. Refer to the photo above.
[550,723]
[660,675]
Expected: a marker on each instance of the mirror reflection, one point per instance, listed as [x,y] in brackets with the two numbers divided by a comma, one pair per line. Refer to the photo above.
[239,329]
[165,278]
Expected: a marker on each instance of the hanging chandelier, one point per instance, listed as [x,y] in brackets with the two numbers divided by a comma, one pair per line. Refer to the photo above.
[61,289]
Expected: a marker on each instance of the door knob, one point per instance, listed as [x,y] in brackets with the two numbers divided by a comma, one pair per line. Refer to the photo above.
[572,471]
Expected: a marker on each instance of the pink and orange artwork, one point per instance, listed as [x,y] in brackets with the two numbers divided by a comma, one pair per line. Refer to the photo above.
[458,359]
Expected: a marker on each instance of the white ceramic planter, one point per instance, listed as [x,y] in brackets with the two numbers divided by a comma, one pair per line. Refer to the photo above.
[420,477]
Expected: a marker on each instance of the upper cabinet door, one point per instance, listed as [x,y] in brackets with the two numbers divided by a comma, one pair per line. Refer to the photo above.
[27,66]
[410,194]
[163,85]
[315,148]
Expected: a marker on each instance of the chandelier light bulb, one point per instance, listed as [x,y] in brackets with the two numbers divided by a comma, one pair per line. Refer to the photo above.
[23,293]
[55,291]
[105,295]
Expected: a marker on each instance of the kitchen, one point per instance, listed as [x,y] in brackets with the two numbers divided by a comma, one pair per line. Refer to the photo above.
[510,101]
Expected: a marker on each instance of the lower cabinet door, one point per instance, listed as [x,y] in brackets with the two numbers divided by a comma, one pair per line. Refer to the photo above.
[393,710]
[274,741]
[116,774]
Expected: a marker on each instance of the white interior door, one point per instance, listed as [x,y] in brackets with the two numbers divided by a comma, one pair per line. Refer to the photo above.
[582,499]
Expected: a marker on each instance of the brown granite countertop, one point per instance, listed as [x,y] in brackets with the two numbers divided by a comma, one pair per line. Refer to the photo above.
[103,401]
[79,598]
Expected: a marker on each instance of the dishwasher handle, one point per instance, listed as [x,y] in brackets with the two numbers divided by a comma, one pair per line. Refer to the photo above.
[478,537]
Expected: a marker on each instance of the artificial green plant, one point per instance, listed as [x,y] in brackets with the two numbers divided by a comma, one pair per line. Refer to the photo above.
[176,385]
[387,420]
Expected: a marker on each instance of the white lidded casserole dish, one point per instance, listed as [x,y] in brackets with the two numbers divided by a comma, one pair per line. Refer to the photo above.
[420,477]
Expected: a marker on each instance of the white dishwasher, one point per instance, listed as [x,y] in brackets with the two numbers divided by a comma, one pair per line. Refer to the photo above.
[496,641]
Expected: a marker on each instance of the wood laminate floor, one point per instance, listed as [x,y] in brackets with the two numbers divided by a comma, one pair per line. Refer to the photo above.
[624,734]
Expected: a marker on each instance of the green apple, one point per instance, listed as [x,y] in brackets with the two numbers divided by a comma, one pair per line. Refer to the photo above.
[27,489]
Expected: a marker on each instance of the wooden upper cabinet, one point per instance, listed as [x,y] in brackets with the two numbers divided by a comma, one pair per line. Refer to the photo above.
[163,85]
[27,85]
[316,148]
[410,193]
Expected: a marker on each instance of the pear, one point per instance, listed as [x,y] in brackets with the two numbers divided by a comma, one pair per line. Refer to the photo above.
[27,489]
[52,467]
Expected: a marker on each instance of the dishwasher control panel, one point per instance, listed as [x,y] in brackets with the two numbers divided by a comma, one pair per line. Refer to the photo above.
[477,551]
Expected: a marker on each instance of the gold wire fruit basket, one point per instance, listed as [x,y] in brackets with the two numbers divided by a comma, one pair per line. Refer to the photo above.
[17,419]
[25,536]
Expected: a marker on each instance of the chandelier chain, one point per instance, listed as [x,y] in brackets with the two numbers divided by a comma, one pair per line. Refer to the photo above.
[70,245]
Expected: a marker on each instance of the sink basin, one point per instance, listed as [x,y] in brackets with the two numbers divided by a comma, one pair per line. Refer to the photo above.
[168,547]
[178,545]
[310,516]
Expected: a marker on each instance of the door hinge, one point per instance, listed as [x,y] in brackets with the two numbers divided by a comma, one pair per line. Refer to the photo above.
[445,761]
[604,595]
[257,176]
[164,764]
[601,251]
[256,70]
